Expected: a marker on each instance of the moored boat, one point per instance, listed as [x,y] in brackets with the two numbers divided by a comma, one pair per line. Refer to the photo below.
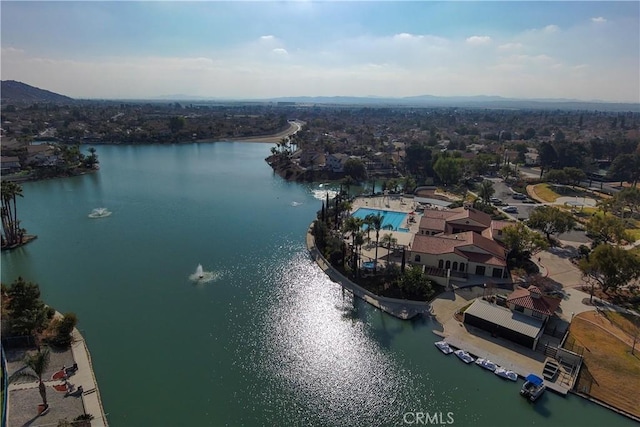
[486,364]
[443,346]
[533,387]
[464,356]
[504,373]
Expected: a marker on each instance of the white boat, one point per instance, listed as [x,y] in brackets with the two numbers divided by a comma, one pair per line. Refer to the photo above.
[486,364]
[443,346]
[464,356]
[510,375]
[533,387]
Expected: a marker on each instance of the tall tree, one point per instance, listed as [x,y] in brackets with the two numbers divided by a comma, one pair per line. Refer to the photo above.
[448,170]
[610,268]
[28,314]
[91,160]
[625,200]
[485,191]
[376,221]
[574,175]
[522,242]
[556,176]
[622,168]
[547,156]
[550,220]
[12,233]
[603,228]
[390,241]
[356,169]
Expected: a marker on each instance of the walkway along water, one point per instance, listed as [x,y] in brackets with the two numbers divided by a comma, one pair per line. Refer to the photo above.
[402,309]
[61,407]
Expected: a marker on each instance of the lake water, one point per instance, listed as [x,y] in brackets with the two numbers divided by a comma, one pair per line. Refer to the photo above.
[269,340]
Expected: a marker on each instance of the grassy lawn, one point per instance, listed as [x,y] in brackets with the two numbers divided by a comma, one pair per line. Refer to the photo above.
[545,192]
[623,321]
[610,372]
[634,233]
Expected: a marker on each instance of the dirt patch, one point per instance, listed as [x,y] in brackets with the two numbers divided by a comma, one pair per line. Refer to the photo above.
[610,372]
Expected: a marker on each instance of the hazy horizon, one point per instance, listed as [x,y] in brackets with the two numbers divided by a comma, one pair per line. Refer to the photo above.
[585,51]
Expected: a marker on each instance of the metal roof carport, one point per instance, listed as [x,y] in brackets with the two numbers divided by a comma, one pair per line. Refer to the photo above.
[505,323]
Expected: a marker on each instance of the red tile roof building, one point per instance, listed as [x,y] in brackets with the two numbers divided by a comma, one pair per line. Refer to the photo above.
[532,302]
[459,242]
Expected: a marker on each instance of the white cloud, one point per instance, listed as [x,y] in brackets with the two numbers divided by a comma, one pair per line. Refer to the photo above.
[407,36]
[510,46]
[11,51]
[532,63]
[598,20]
[478,40]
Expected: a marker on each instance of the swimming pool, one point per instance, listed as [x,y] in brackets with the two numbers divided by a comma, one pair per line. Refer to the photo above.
[395,219]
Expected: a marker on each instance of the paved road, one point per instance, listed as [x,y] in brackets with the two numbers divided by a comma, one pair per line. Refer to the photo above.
[505,193]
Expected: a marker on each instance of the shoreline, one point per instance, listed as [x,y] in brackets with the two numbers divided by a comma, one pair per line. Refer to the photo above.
[401,309]
[294,126]
[403,312]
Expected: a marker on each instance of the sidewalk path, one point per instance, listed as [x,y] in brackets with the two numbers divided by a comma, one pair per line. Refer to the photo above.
[84,377]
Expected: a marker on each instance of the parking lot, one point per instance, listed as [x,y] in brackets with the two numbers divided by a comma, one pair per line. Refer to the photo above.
[504,193]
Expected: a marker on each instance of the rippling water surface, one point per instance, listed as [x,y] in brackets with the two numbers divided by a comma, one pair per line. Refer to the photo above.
[269,340]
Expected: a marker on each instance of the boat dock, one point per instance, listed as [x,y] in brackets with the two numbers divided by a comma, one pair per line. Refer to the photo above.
[514,361]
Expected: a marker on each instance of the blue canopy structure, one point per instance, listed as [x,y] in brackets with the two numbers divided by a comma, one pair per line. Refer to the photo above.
[534,379]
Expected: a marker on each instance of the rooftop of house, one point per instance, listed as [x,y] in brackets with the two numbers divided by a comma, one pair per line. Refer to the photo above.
[533,299]
[462,244]
[465,217]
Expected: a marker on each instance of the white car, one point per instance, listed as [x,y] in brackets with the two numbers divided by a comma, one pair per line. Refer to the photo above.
[510,209]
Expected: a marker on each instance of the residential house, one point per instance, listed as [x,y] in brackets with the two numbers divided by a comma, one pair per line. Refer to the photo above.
[10,164]
[335,162]
[310,159]
[41,155]
[532,302]
[522,322]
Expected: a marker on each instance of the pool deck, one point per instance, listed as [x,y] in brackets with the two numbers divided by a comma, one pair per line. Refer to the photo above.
[395,204]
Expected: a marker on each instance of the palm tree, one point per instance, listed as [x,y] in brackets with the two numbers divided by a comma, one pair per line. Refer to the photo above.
[10,223]
[486,191]
[38,364]
[390,241]
[375,221]
[358,241]
[352,225]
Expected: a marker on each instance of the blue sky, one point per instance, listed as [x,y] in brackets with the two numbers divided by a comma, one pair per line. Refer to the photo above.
[544,49]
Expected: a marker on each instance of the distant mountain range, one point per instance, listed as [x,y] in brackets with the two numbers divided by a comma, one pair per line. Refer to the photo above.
[13,91]
[481,101]
[421,101]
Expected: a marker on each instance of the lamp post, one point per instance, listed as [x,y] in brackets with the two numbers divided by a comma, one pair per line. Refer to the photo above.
[484,291]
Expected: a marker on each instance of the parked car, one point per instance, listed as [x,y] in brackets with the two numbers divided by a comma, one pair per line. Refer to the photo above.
[510,209]
[529,201]
[496,201]
[519,196]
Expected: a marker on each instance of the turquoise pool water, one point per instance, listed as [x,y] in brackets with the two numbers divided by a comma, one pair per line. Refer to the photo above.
[395,219]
